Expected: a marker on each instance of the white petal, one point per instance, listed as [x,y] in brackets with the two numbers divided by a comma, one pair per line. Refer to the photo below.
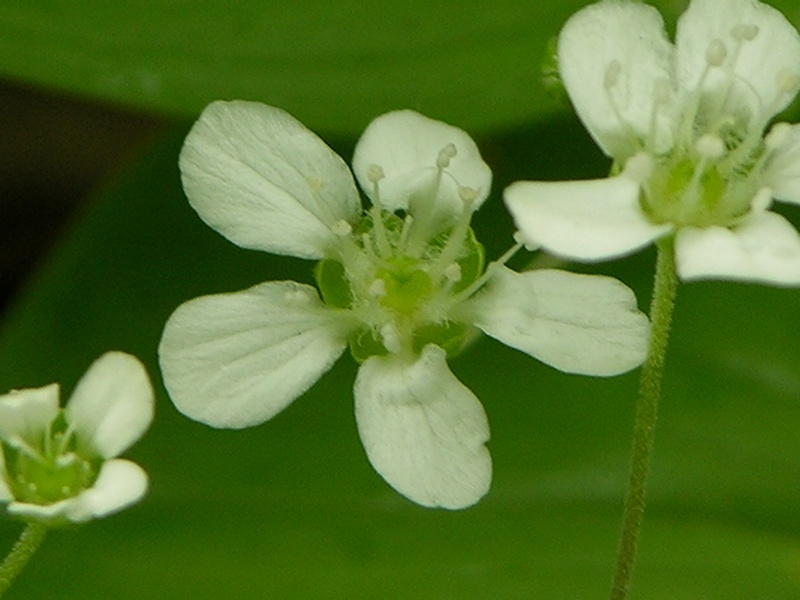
[119,484]
[260,178]
[582,220]
[590,46]
[758,66]
[782,171]
[423,430]
[585,324]
[112,405]
[765,248]
[406,146]
[27,413]
[236,360]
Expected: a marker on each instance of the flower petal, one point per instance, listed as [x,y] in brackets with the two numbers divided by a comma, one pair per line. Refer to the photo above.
[585,324]
[120,484]
[112,405]
[756,72]
[28,413]
[423,430]
[406,146]
[582,220]
[765,248]
[782,171]
[260,178]
[611,56]
[236,360]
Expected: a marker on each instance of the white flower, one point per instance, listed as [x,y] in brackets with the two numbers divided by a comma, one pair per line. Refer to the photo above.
[685,127]
[400,283]
[59,465]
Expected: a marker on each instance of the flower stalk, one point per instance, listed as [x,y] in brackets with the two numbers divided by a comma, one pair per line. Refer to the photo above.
[661,307]
[29,541]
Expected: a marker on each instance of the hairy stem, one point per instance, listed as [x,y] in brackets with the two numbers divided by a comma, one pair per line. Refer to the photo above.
[29,541]
[661,306]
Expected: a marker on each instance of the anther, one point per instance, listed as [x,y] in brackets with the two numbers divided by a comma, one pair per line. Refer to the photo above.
[378,288]
[777,135]
[716,53]
[611,76]
[467,194]
[762,200]
[445,155]
[710,146]
[530,245]
[639,167]
[342,228]
[453,272]
[744,32]
[375,174]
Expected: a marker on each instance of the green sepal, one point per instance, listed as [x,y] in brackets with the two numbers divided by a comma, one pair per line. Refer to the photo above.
[365,343]
[472,263]
[333,284]
[449,336]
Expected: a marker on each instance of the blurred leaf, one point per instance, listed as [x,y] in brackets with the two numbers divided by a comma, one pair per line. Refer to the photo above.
[335,65]
[291,509]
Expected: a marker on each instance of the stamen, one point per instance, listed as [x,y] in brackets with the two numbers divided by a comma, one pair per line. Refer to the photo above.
[342,228]
[453,272]
[490,270]
[762,200]
[521,239]
[467,195]
[777,136]
[446,154]
[710,146]
[639,167]
[716,53]
[390,337]
[744,32]
[377,289]
[375,174]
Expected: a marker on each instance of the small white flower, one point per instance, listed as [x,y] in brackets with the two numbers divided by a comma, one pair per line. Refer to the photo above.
[400,283]
[59,465]
[685,126]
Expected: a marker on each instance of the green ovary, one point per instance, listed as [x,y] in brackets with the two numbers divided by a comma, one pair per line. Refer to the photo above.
[37,479]
[407,286]
[717,197]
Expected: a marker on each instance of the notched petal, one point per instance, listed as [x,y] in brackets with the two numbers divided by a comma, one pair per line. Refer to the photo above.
[586,324]
[589,220]
[236,360]
[423,430]
[765,248]
[112,405]
[263,180]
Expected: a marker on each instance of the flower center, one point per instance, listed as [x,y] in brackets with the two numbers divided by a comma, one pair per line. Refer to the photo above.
[400,272]
[49,470]
[709,171]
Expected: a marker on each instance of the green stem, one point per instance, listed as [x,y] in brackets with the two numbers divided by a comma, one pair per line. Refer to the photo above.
[29,541]
[663,301]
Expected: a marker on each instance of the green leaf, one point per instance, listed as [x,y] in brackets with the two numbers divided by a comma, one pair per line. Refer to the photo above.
[292,509]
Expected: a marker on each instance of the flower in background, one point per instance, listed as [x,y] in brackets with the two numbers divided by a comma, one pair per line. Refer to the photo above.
[401,283]
[59,465]
[685,126]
